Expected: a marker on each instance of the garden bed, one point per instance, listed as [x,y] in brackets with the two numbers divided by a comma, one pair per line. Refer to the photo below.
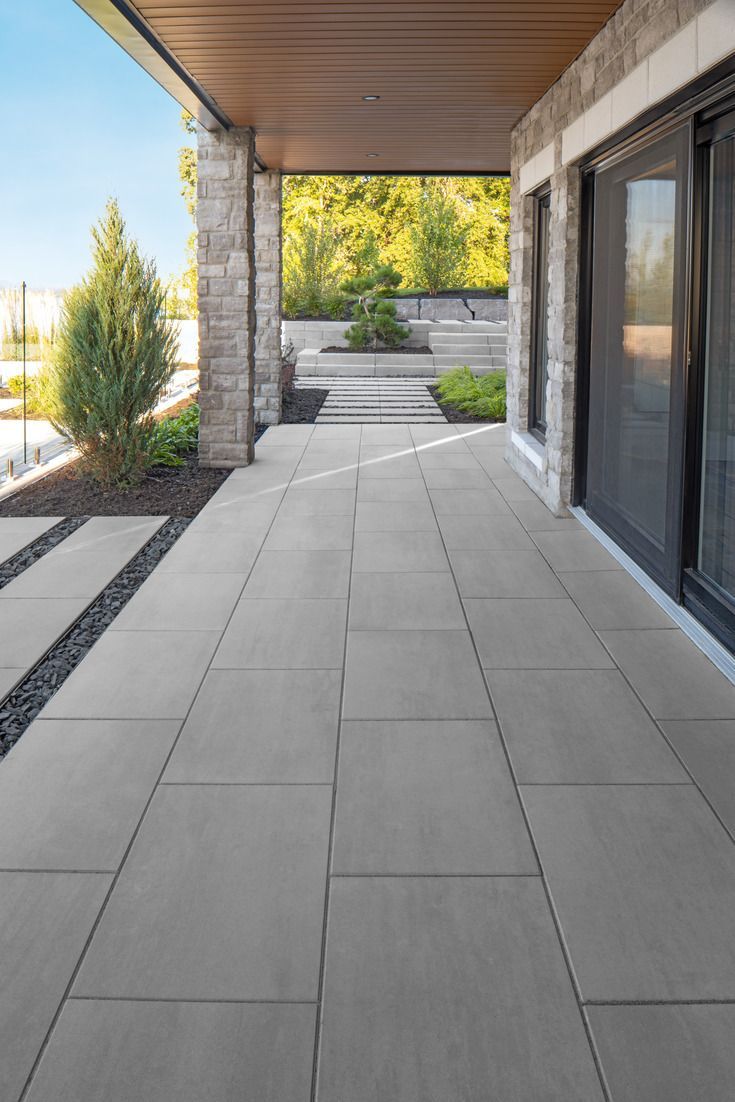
[300,407]
[458,416]
[164,491]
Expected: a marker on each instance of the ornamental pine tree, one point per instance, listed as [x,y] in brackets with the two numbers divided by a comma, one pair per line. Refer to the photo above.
[374,318]
[114,358]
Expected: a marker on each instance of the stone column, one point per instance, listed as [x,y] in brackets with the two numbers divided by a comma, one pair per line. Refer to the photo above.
[226,267]
[268,297]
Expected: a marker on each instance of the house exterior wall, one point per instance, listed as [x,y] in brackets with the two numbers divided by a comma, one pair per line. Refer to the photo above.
[646,51]
[226,294]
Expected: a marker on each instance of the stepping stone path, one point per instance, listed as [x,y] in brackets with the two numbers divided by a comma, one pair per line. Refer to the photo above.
[365,400]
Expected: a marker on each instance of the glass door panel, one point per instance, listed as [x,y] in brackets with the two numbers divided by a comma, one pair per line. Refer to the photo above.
[716,551]
[636,420]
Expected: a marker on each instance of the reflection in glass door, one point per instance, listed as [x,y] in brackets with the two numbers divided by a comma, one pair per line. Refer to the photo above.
[716,535]
[636,412]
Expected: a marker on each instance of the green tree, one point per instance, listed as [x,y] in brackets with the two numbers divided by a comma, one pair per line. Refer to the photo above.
[113,359]
[374,214]
[374,318]
[312,267]
[438,242]
[182,291]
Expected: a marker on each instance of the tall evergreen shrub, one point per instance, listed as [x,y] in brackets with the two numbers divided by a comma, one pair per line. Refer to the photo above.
[114,357]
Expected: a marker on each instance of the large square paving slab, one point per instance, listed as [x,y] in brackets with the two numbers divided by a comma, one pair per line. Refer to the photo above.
[666,1053]
[518,573]
[441,989]
[30,626]
[399,552]
[260,727]
[427,798]
[277,633]
[420,601]
[45,920]
[548,633]
[707,748]
[136,675]
[579,727]
[181,602]
[643,881]
[300,574]
[121,1051]
[413,675]
[674,679]
[222,897]
[72,791]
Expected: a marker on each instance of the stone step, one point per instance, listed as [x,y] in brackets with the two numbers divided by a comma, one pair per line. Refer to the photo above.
[467,349]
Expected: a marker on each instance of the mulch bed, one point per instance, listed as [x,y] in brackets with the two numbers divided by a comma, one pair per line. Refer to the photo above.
[300,407]
[421,350]
[165,491]
[458,416]
[169,491]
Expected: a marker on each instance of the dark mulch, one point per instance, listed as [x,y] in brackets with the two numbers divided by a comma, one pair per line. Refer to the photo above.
[421,350]
[165,491]
[300,407]
[457,416]
[170,491]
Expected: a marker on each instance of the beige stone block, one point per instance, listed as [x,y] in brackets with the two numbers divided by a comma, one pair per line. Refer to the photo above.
[673,64]
[715,33]
[630,96]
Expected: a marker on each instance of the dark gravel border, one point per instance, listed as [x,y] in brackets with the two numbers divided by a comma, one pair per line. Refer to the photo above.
[21,706]
[32,552]
[300,407]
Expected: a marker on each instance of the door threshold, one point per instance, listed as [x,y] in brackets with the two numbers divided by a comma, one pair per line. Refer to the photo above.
[710,646]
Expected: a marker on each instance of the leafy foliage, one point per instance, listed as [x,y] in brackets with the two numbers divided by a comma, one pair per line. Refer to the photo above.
[439,242]
[113,358]
[480,395]
[175,437]
[36,397]
[182,291]
[312,268]
[374,318]
[371,217]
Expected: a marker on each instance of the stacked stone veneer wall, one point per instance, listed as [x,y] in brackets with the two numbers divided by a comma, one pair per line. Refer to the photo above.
[226,263]
[267,397]
[645,52]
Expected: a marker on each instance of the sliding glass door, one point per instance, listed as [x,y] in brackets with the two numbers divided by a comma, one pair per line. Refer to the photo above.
[709,582]
[637,353]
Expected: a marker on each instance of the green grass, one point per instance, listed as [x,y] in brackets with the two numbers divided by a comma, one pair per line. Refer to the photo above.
[480,395]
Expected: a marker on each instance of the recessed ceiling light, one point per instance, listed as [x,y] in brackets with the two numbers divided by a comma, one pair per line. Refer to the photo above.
[372,154]
[369,99]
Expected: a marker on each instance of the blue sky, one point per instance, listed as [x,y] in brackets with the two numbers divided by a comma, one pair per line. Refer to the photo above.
[81,122]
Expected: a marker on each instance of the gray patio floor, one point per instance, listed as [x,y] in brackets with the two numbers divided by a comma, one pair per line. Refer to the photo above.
[387,786]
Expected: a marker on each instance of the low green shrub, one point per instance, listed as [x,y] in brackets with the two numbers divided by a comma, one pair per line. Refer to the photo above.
[480,395]
[175,437]
[36,401]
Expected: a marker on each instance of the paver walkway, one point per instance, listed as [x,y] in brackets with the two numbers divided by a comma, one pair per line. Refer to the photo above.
[369,401]
[387,786]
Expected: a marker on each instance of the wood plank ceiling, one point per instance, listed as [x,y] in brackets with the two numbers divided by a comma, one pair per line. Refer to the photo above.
[453,76]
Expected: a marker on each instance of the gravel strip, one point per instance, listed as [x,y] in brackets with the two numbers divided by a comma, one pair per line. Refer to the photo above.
[21,706]
[26,557]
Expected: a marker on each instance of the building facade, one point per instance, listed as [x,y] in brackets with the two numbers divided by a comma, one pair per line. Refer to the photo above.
[621,332]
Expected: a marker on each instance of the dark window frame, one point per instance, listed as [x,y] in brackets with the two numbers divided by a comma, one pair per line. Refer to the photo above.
[539,352]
